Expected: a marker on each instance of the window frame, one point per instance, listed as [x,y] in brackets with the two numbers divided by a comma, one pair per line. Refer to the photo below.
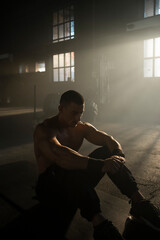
[62,23]
[64,67]
[154,8]
[37,66]
[153,58]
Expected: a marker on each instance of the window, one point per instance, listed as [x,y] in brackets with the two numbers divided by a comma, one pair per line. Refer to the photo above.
[32,67]
[151,8]
[40,67]
[23,68]
[152,57]
[63,24]
[64,67]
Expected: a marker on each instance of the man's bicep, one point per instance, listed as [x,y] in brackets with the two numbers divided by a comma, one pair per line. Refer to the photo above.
[95,136]
[44,143]
[42,134]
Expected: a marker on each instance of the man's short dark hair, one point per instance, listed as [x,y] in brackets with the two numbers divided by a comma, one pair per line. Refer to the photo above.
[71,96]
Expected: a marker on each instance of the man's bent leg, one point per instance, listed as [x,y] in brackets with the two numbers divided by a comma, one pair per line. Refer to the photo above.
[126,183]
[123,179]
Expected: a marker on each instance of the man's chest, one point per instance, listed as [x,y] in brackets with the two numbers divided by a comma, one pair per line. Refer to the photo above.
[71,138]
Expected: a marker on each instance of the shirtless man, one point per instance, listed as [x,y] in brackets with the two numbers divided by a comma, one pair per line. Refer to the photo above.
[67,178]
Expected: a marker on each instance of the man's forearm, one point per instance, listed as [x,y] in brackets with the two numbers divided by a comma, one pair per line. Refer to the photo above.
[70,159]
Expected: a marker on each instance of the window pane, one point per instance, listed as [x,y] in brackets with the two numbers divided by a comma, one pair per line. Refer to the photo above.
[157,67]
[148,67]
[40,67]
[55,75]
[61,60]
[20,69]
[157,7]
[61,67]
[67,59]
[72,58]
[66,14]
[148,48]
[26,68]
[60,16]
[55,33]
[157,47]
[72,28]
[67,29]
[72,74]
[55,61]
[61,32]
[55,18]
[67,74]
[61,74]
[63,24]
[149,8]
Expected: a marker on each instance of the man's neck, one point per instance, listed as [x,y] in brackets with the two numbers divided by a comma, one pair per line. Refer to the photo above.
[61,124]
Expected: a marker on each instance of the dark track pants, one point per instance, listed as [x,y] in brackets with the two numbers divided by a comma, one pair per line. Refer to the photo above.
[66,190]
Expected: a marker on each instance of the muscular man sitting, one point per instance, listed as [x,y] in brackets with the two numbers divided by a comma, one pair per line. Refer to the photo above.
[67,178]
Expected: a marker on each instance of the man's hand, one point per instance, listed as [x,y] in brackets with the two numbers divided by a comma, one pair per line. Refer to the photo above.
[113,164]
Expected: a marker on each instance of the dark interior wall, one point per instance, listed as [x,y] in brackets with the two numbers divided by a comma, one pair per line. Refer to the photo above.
[134,10]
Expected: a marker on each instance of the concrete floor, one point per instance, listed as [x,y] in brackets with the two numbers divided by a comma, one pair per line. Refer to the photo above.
[18,174]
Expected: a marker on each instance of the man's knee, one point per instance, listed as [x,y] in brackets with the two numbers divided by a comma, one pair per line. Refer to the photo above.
[100,153]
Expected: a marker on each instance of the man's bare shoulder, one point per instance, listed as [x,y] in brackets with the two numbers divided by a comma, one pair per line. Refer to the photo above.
[47,127]
[85,127]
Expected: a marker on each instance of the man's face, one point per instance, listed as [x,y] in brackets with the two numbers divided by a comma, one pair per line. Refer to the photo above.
[71,114]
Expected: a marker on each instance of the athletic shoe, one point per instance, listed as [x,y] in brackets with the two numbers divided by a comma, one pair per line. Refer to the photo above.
[106,231]
[147,213]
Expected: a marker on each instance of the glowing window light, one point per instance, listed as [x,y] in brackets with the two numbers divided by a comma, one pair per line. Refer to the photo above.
[148,48]
[152,57]
[64,67]
[157,47]
[40,67]
[157,67]
[23,68]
